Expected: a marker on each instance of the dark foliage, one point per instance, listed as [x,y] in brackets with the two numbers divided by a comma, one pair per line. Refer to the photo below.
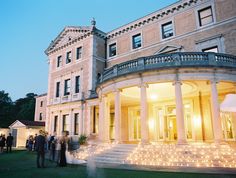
[22,109]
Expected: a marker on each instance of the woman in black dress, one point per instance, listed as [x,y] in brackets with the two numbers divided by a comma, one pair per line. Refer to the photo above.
[63,142]
[62,161]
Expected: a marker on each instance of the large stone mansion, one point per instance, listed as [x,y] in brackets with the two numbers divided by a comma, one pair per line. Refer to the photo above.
[160,78]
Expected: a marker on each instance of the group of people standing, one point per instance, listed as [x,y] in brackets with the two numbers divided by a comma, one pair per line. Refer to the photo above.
[6,142]
[56,147]
[30,143]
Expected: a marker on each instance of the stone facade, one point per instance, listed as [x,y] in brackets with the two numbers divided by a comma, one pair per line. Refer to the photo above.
[40,108]
[98,84]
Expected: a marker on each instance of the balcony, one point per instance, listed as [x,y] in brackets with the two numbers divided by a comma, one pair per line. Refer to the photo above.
[167,61]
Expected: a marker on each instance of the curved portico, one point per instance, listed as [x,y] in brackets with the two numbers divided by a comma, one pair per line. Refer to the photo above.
[170,98]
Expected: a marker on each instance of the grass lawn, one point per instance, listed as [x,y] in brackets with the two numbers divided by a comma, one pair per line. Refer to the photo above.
[21,164]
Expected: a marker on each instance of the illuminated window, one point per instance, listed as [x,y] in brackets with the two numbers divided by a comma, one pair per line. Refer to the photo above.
[76,124]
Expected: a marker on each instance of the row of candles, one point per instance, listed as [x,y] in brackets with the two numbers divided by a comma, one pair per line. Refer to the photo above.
[192,155]
[84,152]
[205,155]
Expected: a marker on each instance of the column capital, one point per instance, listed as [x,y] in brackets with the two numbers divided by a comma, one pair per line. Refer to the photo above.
[212,81]
[177,82]
[117,90]
[145,85]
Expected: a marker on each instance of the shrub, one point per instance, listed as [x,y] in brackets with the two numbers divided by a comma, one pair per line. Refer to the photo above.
[82,139]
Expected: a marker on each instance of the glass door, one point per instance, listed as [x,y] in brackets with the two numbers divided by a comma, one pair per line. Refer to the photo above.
[227,125]
[134,124]
[112,126]
[171,125]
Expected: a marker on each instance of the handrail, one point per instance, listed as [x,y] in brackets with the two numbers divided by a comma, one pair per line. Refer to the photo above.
[179,59]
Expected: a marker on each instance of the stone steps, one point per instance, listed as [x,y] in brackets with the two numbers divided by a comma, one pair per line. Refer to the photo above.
[115,155]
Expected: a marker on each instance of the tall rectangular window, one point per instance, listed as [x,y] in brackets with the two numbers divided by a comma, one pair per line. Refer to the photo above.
[112,50]
[57,89]
[77,84]
[41,103]
[59,61]
[205,16]
[79,53]
[55,123]
[167,30]
[213,49]
[40,116]
[76,124]
[67,87]
[68,57]
[136,40]
[65,122]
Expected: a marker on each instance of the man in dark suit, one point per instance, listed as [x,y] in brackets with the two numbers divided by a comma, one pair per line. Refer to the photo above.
[9,142]
[40,142]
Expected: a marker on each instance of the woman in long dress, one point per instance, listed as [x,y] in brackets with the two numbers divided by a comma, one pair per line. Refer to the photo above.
[63,142]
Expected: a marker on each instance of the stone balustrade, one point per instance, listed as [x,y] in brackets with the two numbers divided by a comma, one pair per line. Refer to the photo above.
[173,60]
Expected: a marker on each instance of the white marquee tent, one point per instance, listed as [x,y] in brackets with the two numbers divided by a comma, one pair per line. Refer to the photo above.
[229,103]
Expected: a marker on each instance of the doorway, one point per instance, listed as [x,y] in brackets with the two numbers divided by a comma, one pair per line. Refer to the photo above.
[134,124]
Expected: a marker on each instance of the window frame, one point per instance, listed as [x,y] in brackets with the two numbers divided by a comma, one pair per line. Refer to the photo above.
[67,87]
[79,55]
[163,32]
[40,116]
[199,16]
[110,51]
[206,50]
[68,60]
[76,123]
[133,40]
[55,126]
[77,84]
[57,94]
[59,61]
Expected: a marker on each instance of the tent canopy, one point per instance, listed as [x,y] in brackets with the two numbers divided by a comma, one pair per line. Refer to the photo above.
[229,103]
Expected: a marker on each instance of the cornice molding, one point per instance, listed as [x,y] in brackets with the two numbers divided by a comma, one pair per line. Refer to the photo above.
[92,30]
[86,30]
[151,17]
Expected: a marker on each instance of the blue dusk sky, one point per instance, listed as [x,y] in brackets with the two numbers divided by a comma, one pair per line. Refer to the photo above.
[28,26]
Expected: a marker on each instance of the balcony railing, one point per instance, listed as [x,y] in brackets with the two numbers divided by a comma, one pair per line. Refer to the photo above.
[173,60]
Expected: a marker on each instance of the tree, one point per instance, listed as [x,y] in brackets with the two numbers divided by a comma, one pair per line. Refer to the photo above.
[21,109]
[6,109]
[25,107]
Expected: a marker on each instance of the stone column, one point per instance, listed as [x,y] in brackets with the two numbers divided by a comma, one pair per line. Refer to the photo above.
[71,131]
[117,116]
[52,118]
[107,120]
[60,124]
[179,113]
[144,114]
[102,118]
[215,112]
[81,119]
